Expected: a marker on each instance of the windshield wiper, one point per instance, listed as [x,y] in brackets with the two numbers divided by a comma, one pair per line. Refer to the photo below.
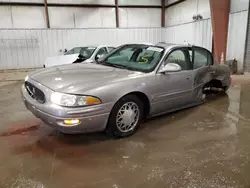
[116,65]
[111,64]
[119,66]
[133,69]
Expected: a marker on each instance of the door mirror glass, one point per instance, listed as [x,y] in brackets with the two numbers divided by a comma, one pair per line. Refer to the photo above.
[170,67]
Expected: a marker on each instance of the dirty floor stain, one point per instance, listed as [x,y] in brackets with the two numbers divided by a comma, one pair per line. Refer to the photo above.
[202,147]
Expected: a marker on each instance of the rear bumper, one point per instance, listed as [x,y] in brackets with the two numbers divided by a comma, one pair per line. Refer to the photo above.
[92,119]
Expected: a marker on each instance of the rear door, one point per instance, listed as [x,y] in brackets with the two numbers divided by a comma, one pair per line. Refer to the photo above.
[203,67]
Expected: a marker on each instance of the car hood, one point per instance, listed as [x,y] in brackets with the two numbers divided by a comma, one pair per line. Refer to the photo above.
[80,77]
[60,60]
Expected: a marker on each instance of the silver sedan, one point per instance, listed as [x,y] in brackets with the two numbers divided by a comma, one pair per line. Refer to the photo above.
[117,92]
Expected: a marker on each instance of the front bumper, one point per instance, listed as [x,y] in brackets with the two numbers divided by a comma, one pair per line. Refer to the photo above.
[92,119]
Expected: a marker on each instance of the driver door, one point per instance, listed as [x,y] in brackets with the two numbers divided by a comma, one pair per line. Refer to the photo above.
[175,88]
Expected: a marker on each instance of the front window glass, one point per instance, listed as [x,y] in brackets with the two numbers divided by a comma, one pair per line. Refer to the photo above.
[73,51]
[142,58]
[179,58]
[84,51]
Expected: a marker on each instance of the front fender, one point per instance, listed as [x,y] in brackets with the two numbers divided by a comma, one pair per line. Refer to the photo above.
[111,93]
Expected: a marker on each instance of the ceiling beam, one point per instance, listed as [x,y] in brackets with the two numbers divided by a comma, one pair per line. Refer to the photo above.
[140,6]
[55,5]
[175,3]
[117,13]
[162,13]
[87,5]
[46,13]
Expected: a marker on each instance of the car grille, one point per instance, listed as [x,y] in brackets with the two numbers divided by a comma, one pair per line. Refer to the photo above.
[35,93]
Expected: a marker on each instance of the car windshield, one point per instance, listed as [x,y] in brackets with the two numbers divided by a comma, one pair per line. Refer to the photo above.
[143,58]
[84,51]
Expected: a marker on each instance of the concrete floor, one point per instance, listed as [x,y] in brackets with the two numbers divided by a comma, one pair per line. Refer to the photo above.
[206,146]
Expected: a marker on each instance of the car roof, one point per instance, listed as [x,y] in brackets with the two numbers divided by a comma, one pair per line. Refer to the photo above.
[171,45]
[166,46]
[94,46]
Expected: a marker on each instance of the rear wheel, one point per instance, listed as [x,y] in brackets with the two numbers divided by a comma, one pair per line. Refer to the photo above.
[215,87]
[211,90]
[125,117]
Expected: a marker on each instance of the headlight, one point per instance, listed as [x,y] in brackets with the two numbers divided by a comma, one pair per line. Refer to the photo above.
[73,100]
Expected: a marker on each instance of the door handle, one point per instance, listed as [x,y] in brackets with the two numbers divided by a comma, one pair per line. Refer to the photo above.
[188,77]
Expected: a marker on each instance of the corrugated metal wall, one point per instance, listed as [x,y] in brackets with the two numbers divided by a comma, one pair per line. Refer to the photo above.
[197,33]
[181,27]
[28,48]
[142,17]
[183,13]
[237,38]
[81,17]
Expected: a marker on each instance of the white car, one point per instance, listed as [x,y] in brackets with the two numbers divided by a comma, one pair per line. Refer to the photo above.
[79,54]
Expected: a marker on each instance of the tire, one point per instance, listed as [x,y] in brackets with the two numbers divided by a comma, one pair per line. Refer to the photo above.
[126,104]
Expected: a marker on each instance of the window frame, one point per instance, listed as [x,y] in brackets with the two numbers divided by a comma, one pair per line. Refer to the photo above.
[105,49]
[186,53]
[208,54]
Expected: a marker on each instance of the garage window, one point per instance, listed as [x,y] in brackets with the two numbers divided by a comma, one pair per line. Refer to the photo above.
[202,58]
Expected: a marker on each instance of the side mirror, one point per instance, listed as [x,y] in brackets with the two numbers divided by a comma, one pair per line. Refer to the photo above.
[170,67]
[65,51]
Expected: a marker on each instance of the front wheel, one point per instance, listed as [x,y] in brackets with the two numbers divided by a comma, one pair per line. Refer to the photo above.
[125,117]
